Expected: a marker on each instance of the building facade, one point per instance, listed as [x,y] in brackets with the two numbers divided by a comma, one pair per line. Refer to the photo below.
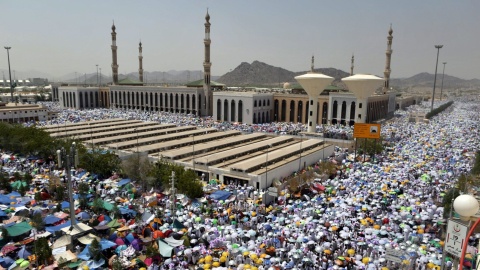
[244,107]
[79,97]
[155,98]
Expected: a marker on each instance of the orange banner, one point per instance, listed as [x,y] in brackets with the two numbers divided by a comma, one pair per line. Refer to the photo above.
[367,131]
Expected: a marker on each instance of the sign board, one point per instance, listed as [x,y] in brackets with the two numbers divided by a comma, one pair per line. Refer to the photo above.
[273,191]
[394,255]
[456,234]
[366,131]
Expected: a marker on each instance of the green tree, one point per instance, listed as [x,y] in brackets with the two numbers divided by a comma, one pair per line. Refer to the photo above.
[476,166]
[370,146]
[60,194]
[117,264]
[99,161]
[97,205]
[95,250]
[83,189]
[5,235]
[116,212]
[42,250]
[137,167]
[37,221]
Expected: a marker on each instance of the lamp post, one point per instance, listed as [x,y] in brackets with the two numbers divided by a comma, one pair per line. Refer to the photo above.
[100,77]
[443,75]
[266,167]
[193,152]
[91,134]
[466,206]
[9,73]
[438,47]
[137,138]
[67,159]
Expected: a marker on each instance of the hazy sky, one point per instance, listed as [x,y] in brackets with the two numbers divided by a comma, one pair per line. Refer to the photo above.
[61,37]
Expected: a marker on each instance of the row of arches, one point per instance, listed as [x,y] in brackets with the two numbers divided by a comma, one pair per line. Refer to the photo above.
[85,99]
[261,103]
[297,111]
[346,115]
[168,102]
[229,111]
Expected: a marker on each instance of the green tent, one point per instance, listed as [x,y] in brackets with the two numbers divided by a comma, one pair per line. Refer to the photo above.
[114,223]
[107,206]
[19,229]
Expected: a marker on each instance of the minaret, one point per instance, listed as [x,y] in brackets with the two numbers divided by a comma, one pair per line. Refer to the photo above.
[351,66]
[387,71]
[206,68]
[312,69]
[114,56]
[140,62]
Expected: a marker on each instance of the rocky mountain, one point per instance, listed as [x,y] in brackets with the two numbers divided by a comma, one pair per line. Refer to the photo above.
[261,74]
[426,79]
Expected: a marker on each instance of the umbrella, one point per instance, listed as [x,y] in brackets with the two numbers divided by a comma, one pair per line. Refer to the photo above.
[7,249]
[23,253]
[83,215]
[119,241]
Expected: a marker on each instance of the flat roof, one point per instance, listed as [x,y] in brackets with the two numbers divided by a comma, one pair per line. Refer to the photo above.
[152,140]
[131,136]
[99,135]
[86,127]
[244,150]
[102,129]
[189,140]
[93,122]
[249,164]
[174,154]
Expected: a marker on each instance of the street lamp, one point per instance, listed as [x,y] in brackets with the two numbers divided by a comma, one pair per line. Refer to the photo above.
[266,166]
[438,47]
[443,75]
[100,76]
[466,206]
[67,160]
[137,138]
[91,134]
[9,73]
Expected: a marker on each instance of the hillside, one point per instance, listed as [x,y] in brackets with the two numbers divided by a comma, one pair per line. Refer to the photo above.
[261,74]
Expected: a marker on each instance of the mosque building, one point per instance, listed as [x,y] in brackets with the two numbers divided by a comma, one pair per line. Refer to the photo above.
[207,98]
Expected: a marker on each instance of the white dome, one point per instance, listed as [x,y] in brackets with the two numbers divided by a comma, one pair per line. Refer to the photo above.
[286,85]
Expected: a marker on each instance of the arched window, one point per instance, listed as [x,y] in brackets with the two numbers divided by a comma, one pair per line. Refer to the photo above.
[92,102]
[352,113]
[182,104]
[225,110]
[232,111]
[264,103]
[254,103]
[343,114]
[219,110]
[292,111]
[188,103]
[300,112]
[284,111]
[275,110]
[324,112]
[176,103]
[240,111]
[80,97]
[334,114]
